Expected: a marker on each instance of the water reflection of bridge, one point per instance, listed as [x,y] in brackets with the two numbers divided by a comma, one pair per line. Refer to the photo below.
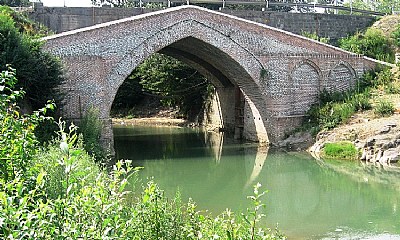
[306,195]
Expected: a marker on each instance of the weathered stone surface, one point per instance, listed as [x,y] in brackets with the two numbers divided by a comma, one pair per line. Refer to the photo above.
[370,142]
[384,130]
[278,73]
[297,141]
[391,155]
[360,144]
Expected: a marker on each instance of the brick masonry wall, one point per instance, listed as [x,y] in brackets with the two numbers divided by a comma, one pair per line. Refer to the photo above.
[326,25]
[279,73]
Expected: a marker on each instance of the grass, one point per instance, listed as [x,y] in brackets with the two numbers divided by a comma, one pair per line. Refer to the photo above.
[340,150]
[384,108]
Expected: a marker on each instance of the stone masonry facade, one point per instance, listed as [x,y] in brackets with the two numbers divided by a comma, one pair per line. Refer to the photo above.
[280,74]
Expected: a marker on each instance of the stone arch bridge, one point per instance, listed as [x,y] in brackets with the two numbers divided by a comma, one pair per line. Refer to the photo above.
[265,78]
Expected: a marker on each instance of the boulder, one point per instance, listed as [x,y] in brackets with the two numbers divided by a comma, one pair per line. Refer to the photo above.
[370,142]
[384,130]
[391,155]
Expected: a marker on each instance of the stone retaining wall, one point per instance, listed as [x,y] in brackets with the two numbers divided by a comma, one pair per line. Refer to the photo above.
[61,19]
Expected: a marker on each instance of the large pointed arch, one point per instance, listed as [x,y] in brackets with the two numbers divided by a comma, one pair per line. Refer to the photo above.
[247,66]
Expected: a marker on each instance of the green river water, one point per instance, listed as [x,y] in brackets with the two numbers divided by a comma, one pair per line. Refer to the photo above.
[309,199]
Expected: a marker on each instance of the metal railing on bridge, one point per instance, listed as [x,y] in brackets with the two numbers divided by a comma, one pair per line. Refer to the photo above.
[264,4]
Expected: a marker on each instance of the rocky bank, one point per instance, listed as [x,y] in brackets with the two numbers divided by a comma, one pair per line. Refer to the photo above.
[378,140]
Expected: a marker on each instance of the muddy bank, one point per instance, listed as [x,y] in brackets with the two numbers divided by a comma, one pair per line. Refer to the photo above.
[152,121]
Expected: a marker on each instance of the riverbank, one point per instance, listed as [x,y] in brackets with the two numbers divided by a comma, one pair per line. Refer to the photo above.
[150,121]
[376,139]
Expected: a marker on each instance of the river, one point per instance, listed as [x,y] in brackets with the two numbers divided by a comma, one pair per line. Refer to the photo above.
[309,199]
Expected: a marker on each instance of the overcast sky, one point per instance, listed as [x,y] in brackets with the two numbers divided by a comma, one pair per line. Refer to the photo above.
[68,3]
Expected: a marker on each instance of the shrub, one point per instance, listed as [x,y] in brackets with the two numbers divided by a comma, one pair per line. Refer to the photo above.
[384,108]
[39,73]
[340,150]
[372,43]
[90,127]
[315,36]
[336,108]
[396,36]
[17,138]
[393,88]
[48,158]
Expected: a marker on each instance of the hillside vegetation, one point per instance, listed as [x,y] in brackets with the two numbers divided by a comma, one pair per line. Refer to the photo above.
[368,116]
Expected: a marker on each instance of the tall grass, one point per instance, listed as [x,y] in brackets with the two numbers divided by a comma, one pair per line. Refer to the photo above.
[91,127]
[384,108]
[335,108]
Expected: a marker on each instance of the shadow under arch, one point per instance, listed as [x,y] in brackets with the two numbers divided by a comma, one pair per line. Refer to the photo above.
[215,54]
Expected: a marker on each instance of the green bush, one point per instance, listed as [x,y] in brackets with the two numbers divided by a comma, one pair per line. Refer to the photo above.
[39,74]
[315,36]
[340,150]
[393,88]
[336,108]
[372,43]
[384,108]
[17,138]
[48,159]
[396,36]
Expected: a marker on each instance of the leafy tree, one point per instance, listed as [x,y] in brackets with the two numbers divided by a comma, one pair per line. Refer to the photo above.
[386,6]
[38,72]
[23,23]
[173,82]
[15,3]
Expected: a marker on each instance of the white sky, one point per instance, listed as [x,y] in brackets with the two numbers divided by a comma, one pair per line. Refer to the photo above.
[68,3]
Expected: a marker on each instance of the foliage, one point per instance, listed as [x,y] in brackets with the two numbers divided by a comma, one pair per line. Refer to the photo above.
[15,3]
[386,6]
[48,158]
[24,24]
[335,108]
[17,139]
[396,36]
[372,43]
[173,82]
[384,108]
[58,192]
[38,73]
[90,127]
[315,36]
[340,150]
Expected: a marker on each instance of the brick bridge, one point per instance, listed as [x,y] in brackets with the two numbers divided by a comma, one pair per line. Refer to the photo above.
[265,78]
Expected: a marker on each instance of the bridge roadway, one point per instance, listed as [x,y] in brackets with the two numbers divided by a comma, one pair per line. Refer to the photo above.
[274,75]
